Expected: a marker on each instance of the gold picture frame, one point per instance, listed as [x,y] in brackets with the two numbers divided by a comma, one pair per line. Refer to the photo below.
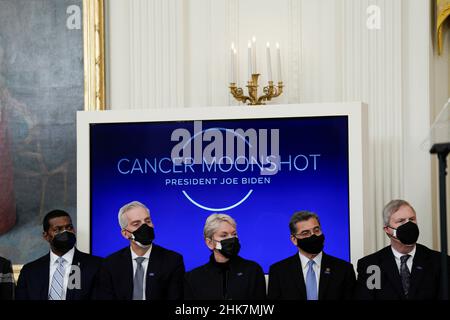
[94,54]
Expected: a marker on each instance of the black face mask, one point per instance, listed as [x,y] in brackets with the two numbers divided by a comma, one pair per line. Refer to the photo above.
[230,247]
[407,233]
[143,236]
[64,241]
[312,244]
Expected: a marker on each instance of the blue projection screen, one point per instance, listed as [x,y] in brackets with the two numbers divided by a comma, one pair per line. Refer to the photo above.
[133,161]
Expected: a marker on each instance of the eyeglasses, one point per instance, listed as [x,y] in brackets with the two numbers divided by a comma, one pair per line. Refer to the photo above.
[308,233]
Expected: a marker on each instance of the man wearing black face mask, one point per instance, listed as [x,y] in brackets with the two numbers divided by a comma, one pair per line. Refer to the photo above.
[142,270]
[63,274]
[407,270]
[226,276]
[310,274]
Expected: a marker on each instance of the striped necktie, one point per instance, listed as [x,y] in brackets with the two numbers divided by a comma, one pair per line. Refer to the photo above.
[56,287]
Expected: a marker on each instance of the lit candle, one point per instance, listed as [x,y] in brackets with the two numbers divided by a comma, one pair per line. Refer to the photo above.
[235,65]
[269,63]
[254,68]
[279,62]
[249,61]
[232,64]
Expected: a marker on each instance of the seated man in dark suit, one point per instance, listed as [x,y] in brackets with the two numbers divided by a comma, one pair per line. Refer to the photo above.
[143,270]
[63,274]
[310,274]
[6,280]
[405,269]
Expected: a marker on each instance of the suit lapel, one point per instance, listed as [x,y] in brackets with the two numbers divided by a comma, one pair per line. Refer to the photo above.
[126,266]
[298,279]
[44,277]
[417,272]
[325,274]
[390,270]
[153,271]
[72,294]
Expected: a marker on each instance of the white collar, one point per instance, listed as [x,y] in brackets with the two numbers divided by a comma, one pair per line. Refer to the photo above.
[146,255]
[68,256]
[304,260]
[398,255]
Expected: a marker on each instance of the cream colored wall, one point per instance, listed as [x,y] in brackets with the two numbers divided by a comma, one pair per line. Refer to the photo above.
[175,53]
[440,71]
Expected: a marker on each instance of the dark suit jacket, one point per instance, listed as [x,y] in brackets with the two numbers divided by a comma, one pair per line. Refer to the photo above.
[164,277]
[33,283]
[244,280]
[425,276]
[286,282]
[6,280]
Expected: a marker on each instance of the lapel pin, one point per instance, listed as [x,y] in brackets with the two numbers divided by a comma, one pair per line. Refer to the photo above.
[327,271]
[240,274]
[419,268]
[151,274]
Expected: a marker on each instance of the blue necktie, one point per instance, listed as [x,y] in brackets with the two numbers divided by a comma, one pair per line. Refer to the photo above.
[56,287]
[311,282]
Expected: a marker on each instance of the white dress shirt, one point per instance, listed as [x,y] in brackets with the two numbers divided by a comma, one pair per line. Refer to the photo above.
[144,265]
[409,262]
[68,256]
[318,261]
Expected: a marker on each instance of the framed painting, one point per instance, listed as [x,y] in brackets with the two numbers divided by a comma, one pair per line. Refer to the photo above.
[51,66]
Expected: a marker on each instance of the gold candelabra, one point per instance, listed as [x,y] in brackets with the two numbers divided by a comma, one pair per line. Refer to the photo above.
[270,91]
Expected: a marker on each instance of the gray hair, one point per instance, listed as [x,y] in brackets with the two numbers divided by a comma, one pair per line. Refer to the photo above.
[123,220]
[392,207]
[213,222]
[301,216]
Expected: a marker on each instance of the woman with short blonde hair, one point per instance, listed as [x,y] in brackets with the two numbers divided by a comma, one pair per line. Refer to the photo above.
[226,276]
